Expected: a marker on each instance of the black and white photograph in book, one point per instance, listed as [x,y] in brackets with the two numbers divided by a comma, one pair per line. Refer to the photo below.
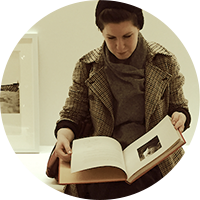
[149,148]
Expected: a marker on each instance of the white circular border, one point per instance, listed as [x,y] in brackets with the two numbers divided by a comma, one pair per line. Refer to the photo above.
[16,18]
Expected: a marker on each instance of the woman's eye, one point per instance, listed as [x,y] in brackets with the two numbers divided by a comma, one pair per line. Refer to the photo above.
[127,36]
[111,38]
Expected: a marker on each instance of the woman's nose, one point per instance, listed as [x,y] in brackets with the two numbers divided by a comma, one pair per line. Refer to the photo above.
[120,45]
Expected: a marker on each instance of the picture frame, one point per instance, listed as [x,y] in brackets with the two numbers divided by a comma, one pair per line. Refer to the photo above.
[19,97]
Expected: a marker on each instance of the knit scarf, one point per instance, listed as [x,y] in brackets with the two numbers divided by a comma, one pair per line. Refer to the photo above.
[126,80]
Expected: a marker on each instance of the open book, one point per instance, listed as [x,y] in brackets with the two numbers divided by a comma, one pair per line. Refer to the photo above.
[101,159]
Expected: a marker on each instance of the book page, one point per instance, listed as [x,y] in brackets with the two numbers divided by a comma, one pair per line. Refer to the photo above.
[96,151]
[150,146]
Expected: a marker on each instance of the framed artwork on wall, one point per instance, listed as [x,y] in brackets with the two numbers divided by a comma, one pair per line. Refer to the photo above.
[19,96]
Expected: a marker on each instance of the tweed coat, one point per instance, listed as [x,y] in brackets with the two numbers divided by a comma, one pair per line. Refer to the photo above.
[90,94]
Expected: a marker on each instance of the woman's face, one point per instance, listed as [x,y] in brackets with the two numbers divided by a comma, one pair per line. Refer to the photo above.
[121,38]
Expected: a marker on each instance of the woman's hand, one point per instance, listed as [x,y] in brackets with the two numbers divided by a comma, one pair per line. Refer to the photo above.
[178,120]
[63,149]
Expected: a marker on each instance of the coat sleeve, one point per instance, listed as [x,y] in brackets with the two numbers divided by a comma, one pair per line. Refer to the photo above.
[177,101]
[76,106]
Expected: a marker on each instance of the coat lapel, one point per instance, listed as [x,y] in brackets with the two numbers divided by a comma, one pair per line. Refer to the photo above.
[155,85]
[99,85]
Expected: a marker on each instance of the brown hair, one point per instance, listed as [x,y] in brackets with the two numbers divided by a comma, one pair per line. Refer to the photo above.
[111,15]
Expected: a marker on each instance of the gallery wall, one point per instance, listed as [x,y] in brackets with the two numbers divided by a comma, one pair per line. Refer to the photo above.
[67,34]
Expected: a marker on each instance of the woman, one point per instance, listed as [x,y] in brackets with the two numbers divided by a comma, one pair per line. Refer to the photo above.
[126,86]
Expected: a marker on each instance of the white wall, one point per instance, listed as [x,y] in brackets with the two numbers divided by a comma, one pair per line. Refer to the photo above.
[70,32]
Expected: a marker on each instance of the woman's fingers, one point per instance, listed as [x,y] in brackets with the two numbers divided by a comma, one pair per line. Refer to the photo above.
[178,120]
[181,128]
[63,151]
[65,157]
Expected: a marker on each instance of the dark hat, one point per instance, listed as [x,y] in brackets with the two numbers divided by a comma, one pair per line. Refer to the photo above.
[101,5]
